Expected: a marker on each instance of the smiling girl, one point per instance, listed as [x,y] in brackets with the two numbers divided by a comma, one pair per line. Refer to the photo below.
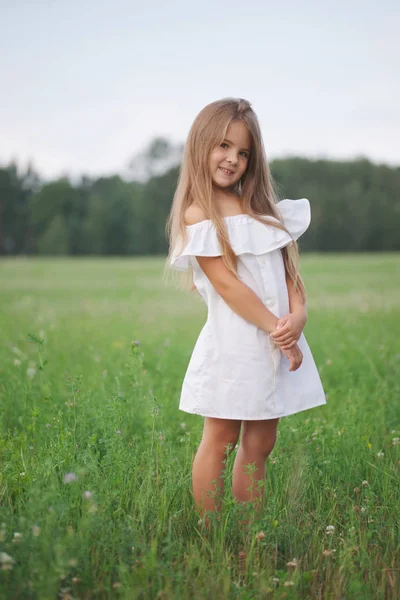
[251,364]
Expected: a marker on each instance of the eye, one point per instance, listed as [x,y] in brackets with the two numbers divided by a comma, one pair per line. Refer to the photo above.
[224,144]
[245,153]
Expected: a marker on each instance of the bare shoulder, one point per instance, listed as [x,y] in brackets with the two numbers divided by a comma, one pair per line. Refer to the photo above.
[194,214]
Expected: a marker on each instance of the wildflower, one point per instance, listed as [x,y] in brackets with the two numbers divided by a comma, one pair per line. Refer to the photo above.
[292,563]
[329,362]
[380,454]
[260,535]
[6,561]
[48,425]
[356,509]
[22,474]
[17,362]
[288,583]
[329,529]
[135,343]
[70,477]
[328,552]
[356,490]
[118,432]
[116,584]
[183,425]
[365,483]
[395,441]
[363,509]
[73,562]
[35,530]
[31,372]
[87,495]
[17,537]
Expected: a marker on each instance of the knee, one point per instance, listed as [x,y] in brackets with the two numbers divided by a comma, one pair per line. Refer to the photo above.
[227,445]
[256,446]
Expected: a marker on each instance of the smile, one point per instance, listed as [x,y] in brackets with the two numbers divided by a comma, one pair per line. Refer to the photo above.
[226,171]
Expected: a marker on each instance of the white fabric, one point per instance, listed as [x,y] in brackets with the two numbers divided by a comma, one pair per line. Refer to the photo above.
[236,371]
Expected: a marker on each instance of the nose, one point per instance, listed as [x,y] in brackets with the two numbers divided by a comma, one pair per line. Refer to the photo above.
[232,158]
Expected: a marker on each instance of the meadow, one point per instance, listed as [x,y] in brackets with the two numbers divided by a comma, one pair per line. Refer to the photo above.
[95,457]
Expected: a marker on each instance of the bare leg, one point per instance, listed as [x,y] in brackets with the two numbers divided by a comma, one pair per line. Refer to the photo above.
[219,438]
[257,442]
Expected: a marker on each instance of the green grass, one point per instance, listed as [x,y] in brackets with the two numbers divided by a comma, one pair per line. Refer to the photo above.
[77,397]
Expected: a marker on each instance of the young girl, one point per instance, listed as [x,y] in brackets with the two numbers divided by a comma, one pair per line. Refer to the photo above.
[251,364]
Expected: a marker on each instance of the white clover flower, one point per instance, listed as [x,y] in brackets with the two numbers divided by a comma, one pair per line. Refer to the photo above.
[329,529]
[17,362]
[17,537]
[6,559]
[288,583]
[365,483]
[70,477]
[87,495]
[31,372]
[380,454]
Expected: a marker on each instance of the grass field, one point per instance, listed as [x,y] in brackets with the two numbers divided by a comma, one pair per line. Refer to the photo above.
[95,457]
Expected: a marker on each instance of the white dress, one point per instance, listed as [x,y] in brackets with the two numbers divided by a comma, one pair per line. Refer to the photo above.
[236,371]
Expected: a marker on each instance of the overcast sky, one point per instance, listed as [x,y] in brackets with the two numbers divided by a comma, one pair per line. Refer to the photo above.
[85,85]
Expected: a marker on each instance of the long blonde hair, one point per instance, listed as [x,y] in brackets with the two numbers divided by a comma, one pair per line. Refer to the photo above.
[255,188]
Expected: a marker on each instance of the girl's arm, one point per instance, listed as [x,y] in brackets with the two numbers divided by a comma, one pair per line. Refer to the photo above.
[245,302]
[238,296]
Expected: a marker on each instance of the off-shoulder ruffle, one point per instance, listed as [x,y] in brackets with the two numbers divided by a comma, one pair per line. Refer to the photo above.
[246,234]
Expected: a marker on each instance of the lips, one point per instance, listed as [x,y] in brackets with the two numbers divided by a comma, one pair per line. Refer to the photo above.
[227,171]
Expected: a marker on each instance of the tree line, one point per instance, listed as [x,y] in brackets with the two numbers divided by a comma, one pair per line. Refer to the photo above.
[355,207]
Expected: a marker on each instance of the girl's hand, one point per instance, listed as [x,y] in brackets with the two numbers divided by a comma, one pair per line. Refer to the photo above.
[295,356]
[289,329]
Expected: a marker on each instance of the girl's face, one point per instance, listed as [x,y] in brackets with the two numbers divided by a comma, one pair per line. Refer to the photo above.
[229,160]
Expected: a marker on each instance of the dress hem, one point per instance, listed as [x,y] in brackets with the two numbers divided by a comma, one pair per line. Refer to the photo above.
[260,418]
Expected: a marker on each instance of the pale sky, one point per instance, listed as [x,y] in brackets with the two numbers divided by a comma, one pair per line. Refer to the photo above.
[85,85]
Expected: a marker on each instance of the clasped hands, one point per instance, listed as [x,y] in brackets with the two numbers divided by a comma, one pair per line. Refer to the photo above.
[286,335]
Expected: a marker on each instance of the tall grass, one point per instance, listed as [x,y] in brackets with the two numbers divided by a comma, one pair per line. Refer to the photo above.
[95,457]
